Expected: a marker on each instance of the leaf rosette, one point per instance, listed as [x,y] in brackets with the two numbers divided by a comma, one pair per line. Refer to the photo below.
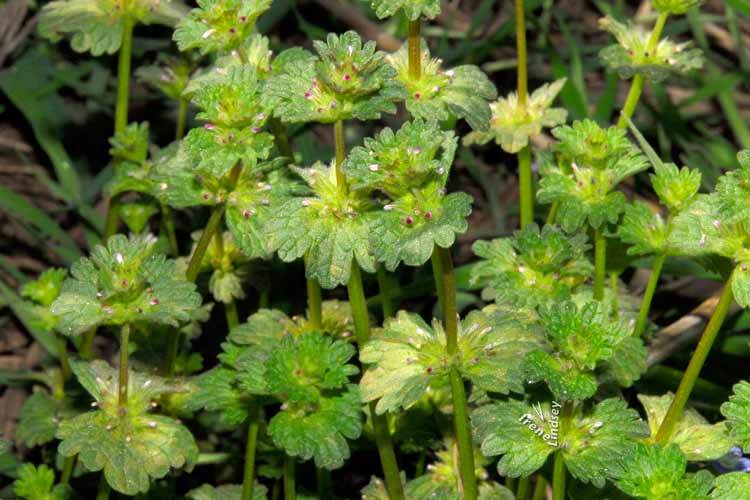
[535,267]
[439,94]
[97,26]
[330,226]
[124,282]
[630,55]
[132,446]
[414,9]
[697,439]
[652,471]
[347,79]
[591,161]
[592,443]
[407,356]
[219,25]
[582,338]
[513,125]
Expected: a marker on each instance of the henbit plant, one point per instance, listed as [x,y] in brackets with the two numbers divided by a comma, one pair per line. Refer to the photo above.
[536,374]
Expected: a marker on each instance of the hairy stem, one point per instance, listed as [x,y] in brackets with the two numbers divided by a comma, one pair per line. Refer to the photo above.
[540,488]
[340,145]
[182,107]
[600,263]
[636,87]
[558,477]
[122,387]
[385,293]
[358,304]
[230,311]
[523,488]
[323,477]
[415,50]
[212,227]
[521,73]
[86,347]
[62,347]
[447,281]
[123,75]
[552,214]
[290,490]
[248,479]
[167,222]
[526,185]
[102,492]
[280,138]
[696,363]
[648,295]
[67,469]
[314,303]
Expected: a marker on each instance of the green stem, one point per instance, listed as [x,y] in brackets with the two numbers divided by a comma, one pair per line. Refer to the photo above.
[437,273]
[540,488]
[122,387]
[648,296]
[182,107]
[167,222]
[510,483]
[361,317]
[447,281]
[212,226]
[230,310]
[248,480]
[86,348]
[323,477]
[385,292]
[265,299]
[521,73]
[613,277]
[314,303]
[558,477]
[696,363]
[600,263]
[463,436]
[415,50]
[102,492]
[338,140]
[62,347]
[123,75]
[290,492]
[280,139]
[636,87]
[523,488]
[552,215]
[67,469]
[525,181]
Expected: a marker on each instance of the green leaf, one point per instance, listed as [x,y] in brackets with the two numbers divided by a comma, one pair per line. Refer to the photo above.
[39,418]
[512,125]
[737,413]
[629,361]
[733,189]
[644,231]
[97,26]
[654,472]
[135,215]
[439,94]
[37,483]
[219,25]
[130,144]
[217,390]
[232,107]
[169,75]
[133,448]
[329,227]
[532,268]
[319,432]
[302,369]
[46,288]
[630,55]
[407,356]
[732,486]
[697,439]
[348,79]
[408,229]
[226,492]
[741,284]
[675,7]
[414,9]
[124,282]
[397,162]
[565,383]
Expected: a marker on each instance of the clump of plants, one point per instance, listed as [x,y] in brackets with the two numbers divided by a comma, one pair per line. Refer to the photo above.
[524,396]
